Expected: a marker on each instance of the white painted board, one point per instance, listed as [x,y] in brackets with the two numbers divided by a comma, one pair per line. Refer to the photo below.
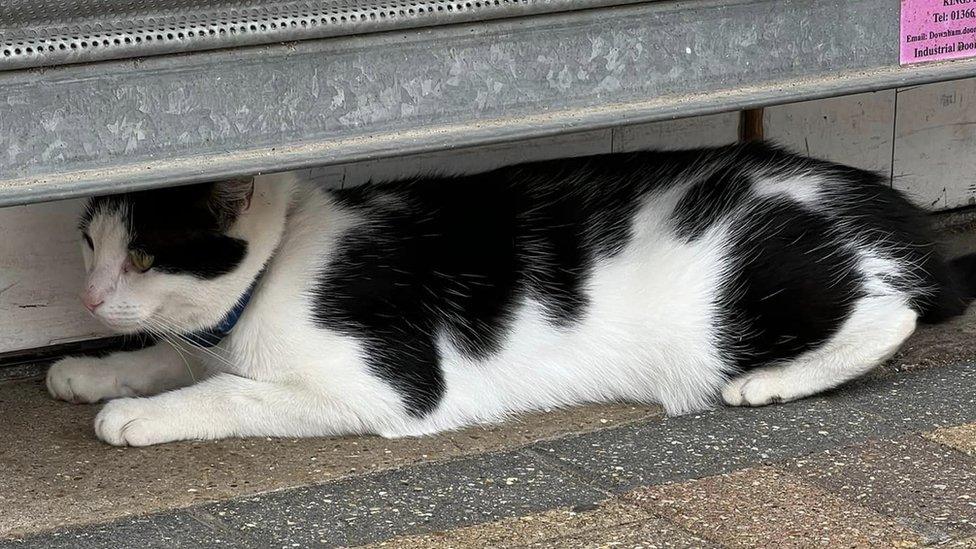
[935,150]
[685,133]
[856,130]
[41,274]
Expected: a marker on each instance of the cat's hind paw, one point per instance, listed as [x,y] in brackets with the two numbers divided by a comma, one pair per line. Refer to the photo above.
[757,388]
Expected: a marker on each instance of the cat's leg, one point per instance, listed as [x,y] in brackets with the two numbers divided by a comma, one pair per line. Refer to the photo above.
[226,406]
[871,334]
[147,371]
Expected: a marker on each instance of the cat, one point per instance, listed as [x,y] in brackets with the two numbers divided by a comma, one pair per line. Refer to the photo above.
[743,273]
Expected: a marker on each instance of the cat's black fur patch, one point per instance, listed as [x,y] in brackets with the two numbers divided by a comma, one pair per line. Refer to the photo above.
[181,227]
[710,200]
[939,290]
[884,214]
[458,255]
[789,290]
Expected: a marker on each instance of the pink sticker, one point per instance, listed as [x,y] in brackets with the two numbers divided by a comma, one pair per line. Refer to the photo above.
[934,30]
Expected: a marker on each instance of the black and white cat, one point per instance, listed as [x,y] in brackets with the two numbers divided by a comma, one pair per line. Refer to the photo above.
[413,307]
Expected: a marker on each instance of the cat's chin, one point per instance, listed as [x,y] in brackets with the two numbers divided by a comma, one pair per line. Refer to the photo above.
[125,329]
[124,326]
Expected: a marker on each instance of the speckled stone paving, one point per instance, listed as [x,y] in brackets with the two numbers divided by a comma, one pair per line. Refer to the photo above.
[54,473]
[884,462]
[960,437]
[616,522]
[926,486]
[749,507]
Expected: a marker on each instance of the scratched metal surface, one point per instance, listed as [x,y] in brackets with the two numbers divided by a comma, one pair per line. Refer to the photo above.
[113,126]
[35,33]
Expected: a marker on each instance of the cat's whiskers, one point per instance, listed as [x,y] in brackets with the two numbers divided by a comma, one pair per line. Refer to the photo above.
[153,330]
[168,334]
[171,326]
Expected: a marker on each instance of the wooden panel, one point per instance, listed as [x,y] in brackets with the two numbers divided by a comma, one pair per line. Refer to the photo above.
[684,133]
[329,177]
[855,130]
[935,151]
[41,272]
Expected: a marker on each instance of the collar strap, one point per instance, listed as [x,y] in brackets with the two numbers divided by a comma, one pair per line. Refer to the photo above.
[210,337]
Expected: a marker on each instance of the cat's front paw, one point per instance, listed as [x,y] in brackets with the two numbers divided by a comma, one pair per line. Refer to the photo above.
[84,380]
[133,422]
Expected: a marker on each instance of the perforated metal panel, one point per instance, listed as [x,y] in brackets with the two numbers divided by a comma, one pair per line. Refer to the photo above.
[163,120]
[47,32]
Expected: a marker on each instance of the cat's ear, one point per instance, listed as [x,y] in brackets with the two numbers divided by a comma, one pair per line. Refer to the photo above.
[230,198]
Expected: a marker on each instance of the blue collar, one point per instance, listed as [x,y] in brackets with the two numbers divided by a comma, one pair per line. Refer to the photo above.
[210,337]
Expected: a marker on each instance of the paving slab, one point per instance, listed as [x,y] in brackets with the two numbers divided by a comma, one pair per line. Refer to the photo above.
[920,400]
[406,501]
[723,440]
[960,437]
[649,534]
[925,486]
[578,471]
[753,507]
[349,512]
[56,474]
[615,522]
[164,531]
[728,439]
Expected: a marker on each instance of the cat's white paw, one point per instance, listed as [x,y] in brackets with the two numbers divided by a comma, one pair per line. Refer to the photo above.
[757,388]
[85,380]
[133,422]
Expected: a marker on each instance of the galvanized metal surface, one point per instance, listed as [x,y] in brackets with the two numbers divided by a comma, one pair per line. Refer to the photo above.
[35,33]
[112,126]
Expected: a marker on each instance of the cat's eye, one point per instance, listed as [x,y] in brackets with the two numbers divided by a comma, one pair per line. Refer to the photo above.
[141,260]
[88,240]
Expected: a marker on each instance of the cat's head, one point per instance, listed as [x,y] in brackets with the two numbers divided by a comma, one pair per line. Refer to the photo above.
[173,260]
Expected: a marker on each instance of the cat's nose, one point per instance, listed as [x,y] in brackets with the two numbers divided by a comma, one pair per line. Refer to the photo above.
[91,301]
